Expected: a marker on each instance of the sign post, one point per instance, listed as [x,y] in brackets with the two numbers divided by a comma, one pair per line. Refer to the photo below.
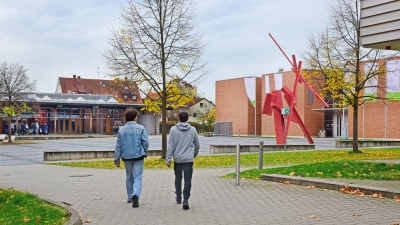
[285,112]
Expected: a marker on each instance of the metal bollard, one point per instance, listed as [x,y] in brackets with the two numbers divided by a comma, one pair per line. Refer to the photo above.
[260,155]
[237,164]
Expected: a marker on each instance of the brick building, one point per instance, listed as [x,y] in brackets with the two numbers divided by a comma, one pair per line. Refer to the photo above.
[233,105]
[86,106]
[379,119]
[376,119]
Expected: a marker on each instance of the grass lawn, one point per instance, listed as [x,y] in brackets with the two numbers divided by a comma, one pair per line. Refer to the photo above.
[249,160]
[24,208]
[339,169]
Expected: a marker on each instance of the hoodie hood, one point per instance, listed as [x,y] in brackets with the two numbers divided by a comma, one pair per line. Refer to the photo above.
[183,126]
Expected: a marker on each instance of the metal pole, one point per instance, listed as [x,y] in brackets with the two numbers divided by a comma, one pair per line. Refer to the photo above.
[385,121]
[284,132]
[343,124]
[255,108]
[260,155]
[237,164]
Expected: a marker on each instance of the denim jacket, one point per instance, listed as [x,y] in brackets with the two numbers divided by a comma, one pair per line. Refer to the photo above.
[132,142]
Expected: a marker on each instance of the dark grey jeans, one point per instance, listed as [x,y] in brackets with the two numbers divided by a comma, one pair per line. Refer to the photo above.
[187,170]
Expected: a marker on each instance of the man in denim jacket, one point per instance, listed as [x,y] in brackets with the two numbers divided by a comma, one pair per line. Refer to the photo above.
[132,147]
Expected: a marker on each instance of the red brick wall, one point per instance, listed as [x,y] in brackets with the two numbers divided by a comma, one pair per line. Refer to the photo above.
[233,105]
[373,125]
[313,120]
[374,122]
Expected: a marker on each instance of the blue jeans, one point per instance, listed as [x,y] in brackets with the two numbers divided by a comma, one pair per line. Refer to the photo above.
[187,170]
[134,172]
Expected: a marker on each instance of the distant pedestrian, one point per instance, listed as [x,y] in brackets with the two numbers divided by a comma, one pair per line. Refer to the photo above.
[32,130]
[183,146]
[6,128]
[26,127]
[45,129]
[19,128]
[37,126]
[12,128]
[132,147]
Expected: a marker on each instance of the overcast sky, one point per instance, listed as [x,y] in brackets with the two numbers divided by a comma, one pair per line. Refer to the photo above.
[61,38]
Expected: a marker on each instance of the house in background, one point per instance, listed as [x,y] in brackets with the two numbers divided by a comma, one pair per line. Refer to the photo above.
[196,109]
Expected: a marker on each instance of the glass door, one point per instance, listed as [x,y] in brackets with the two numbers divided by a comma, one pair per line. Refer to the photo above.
[63,126]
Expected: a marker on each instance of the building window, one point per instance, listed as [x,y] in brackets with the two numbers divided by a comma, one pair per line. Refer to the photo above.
[201,105]
[310,97]
[134,97]
[125,97]
[194,114]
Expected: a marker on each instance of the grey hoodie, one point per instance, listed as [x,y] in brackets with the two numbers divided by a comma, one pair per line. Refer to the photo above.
[183,143]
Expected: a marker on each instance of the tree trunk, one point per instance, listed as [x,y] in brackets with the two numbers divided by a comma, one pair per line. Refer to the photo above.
[164,127]
[355,129]
[164,86]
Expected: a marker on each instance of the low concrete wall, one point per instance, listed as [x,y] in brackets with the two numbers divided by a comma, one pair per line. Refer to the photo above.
[220,149]
[76,155]
[53,137]
[365,144]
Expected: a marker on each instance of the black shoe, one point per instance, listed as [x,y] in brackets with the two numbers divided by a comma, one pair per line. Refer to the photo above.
[178,200]
[185,205]
[135,201]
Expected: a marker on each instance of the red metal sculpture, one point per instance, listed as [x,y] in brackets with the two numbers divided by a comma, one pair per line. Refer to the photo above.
[273,103]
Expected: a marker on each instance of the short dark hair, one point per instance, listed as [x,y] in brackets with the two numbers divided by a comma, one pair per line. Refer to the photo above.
[183,117]
[130,114]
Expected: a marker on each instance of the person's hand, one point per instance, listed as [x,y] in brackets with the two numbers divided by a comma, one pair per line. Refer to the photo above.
[117,165]
[168,164]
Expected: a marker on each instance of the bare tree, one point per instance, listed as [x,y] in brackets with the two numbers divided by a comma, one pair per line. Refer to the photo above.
[335,59]
[14,91]
[155,44]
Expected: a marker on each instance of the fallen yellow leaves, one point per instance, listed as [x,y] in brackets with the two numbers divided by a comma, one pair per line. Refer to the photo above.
[291,174]
[397,199]
[285,182]
[86,221]
[356,215]
[26,219]
[312,186]
[378,195]
[347,190]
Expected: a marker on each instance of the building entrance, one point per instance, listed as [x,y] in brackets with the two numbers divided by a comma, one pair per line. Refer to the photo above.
[69,126]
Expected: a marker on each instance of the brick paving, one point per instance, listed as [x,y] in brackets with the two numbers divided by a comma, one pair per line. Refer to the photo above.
[99,194]
[100,198]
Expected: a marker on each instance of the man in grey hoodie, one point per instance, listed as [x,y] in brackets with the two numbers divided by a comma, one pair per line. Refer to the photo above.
[183,145]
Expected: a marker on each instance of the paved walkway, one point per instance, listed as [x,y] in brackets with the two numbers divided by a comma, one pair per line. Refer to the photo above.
[99,195]
[100,198]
